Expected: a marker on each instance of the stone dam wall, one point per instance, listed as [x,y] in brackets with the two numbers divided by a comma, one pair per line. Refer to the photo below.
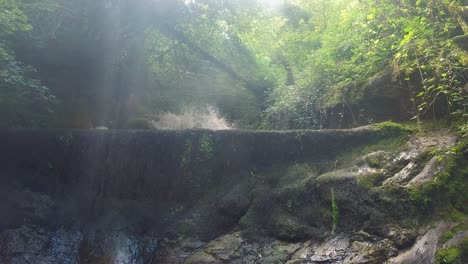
[163,165]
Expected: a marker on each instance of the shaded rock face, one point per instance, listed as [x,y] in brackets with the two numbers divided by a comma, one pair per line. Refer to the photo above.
[381,98]
[276,208]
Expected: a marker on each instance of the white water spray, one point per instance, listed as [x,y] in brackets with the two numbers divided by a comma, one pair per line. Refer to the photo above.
[193,117]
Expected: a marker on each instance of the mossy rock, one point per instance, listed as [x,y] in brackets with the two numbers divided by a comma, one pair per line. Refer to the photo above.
[446,237]
[377,159]
[291,228]
[395,201]
[336,175]
[389,128]
[371,179]
[449,255]
[448,189]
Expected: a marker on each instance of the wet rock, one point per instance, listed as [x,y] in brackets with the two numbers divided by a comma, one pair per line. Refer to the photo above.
[278,252]
[117,247]
[370,252]
[223,249]
[428,173]
[332,250]
[23,240]
[175,252]
[226,247]
[64,246]
[235,203]
[202,258]
[191,244]
[303,254]
[381,251]
[422,166]
[30,244]
[424,249]
[402,238]
[23,207]
[289,227]
[402,176]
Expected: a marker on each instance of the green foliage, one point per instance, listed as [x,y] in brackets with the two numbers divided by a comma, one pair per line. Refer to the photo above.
[24,101]
[352,42]
[274,69]
[426,55]
[446,237]
[12,18]
[462,129]
[422,196]
[291,108]
[448,255]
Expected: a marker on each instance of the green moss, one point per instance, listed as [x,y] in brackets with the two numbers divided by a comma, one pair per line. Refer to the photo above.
[393,140]
[446,237]
[195,154]
[448,190]
[452,254]
[448,255]
[334,176]
[427,126]
[370,180]
[389,128]
[375,162]
[421,196]
[389,145]
[206,147]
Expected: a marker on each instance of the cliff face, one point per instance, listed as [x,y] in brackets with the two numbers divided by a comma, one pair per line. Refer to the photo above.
[338,196]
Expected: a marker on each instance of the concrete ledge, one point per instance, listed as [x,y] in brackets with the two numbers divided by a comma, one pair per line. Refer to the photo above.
[164,165]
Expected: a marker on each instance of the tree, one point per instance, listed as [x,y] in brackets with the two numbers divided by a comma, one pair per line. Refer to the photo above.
[24,101]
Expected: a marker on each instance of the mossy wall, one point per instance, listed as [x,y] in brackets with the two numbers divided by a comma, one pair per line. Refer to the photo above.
[164,165]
